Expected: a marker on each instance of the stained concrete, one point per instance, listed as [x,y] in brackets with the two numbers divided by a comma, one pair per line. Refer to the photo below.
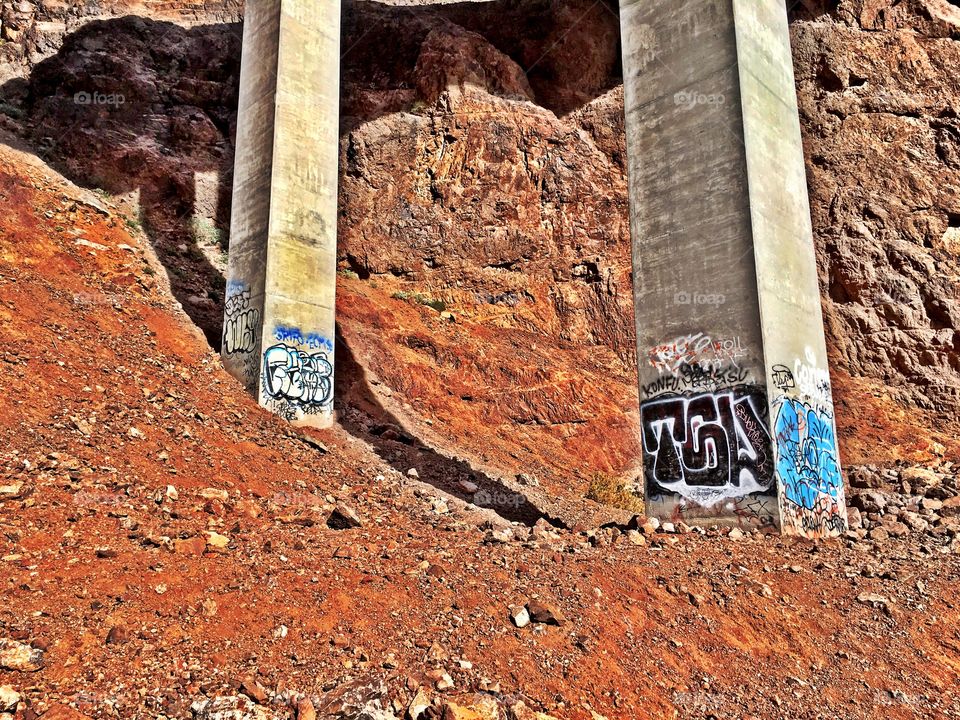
[726,291]
[282,269]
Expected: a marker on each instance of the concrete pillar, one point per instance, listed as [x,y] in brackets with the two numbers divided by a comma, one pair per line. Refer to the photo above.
[279,319]
[735,402]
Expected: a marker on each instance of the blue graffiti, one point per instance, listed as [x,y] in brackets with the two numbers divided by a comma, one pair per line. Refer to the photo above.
[296,336]
[807,454]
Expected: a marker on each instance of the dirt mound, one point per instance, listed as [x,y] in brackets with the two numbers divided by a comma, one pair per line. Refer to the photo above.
[171,549]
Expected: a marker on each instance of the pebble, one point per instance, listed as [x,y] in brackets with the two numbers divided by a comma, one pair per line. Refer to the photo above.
[344,517]
[412,472]
[541,612]
[9,698]
[519,615]
[18,656]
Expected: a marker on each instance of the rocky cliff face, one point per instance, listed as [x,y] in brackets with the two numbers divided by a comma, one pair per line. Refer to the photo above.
[484,238]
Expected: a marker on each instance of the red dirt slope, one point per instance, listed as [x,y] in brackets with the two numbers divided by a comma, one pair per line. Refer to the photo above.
[164,541]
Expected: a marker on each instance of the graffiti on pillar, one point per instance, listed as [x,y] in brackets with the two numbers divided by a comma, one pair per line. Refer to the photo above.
[241,323]
[297,337]
[297,381]
[783,377]
[708,448]
[696,350]
[808,463]
[808,466]
[696,378]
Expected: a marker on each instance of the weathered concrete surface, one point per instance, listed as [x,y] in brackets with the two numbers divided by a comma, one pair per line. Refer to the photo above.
[810,485]
[716,174]
[279,317]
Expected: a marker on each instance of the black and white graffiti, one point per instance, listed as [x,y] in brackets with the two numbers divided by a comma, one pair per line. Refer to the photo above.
[241,323]
[708,448]
[783,377]
[301,379]
[696,378]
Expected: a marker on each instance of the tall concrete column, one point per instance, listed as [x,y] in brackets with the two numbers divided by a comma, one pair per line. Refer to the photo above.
[279,320]
[735,400]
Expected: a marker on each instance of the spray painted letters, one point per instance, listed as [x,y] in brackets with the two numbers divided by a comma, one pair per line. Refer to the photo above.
[241,324]
[709,447]
[809,468]
[303,379]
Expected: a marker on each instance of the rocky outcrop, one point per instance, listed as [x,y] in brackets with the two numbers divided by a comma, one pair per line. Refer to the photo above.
[881,115]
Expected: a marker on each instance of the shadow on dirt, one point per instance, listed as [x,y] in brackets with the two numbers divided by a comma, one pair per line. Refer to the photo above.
[363,416]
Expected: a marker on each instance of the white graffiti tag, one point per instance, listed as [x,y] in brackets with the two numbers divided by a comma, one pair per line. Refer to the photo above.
[696,349]
[298,377]
[241,324]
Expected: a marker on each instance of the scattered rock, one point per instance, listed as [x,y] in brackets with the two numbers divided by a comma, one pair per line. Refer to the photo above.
[190,546]
[874,600]
[13,491]
[254,690]
[650,526]
[481,707]
[9,698]
[736,534]
[216,541]
[343,517]
[503,535]
[215,494]
[230,707]
[541,612]
[418,705]
[305,710]
[18,656]
[519,615]
[118,635]
[518,710]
